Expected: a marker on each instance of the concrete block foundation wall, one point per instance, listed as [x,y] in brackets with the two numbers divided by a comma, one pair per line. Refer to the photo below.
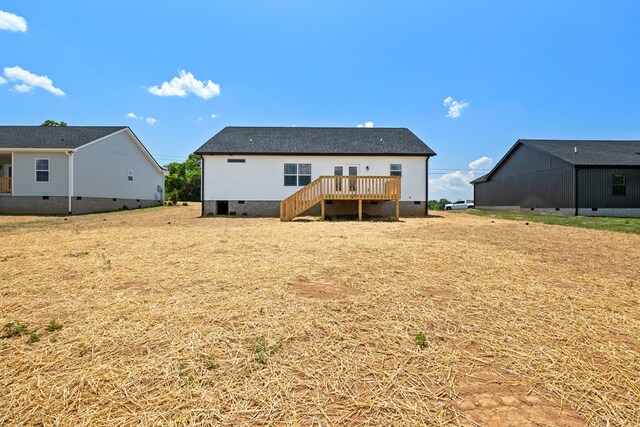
[59,205]
[271,208]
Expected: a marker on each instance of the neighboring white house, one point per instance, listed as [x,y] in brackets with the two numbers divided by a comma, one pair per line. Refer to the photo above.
[76,169]
[250,170]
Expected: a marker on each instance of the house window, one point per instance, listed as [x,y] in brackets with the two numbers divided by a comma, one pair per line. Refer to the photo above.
[42,170]
[395,169]
[235,160]
[297,174]
[619,185]
[130,175]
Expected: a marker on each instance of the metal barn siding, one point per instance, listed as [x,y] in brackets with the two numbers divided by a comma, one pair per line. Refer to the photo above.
[528,178]
[595,188]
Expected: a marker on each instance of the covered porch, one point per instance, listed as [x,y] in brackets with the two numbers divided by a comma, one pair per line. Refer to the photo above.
[6,173]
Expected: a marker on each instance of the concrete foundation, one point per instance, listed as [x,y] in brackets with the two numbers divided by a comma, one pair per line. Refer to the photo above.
[612,212]
[59,205]
[271,208]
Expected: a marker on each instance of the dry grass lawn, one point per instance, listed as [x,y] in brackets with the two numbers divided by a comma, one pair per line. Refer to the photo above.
[171,319]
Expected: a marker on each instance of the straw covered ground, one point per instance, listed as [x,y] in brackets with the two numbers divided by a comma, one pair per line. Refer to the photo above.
[164,318]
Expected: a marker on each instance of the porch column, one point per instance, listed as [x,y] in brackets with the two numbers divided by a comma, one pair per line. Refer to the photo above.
[397,209]
[359,209]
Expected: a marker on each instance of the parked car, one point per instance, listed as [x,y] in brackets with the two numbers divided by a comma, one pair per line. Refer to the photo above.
[460,204]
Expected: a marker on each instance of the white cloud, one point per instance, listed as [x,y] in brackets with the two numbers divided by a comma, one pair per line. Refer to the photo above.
[455,107]
[366,125]
[185,84]
[28,81]
[22,88]
[481,163]
[11,22]
[199,119]
[149,120]
[2,80]
[215,116]
[455,185]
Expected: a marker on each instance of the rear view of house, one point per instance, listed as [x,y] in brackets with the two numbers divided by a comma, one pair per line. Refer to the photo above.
[75,169]
[288,171]
[591,178]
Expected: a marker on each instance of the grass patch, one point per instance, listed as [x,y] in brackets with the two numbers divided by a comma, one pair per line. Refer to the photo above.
[262,350]
[14,329]
[421,340]
[53,326]
[624,225]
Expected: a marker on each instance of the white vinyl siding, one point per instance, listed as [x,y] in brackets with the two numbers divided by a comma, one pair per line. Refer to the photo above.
[24,174]
[115,167]
[261,178]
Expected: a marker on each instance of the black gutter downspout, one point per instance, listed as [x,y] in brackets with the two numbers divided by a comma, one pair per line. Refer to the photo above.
[202,185]
[575,178]
[426,207]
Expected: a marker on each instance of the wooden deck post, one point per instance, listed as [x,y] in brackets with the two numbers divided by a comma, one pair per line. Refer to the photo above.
[359,209]
[322,209]
[397,209]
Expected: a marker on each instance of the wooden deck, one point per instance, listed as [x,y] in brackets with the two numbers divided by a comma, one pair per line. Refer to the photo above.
[383,188]
[5,184]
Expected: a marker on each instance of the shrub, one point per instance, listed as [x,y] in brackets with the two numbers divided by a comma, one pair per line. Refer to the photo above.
[14,329]
[173,196]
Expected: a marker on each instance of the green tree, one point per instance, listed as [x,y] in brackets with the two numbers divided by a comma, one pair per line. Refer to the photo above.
[185,178]
[53,123]
[438,205]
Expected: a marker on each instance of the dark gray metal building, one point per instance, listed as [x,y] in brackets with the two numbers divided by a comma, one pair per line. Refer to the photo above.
[591,178]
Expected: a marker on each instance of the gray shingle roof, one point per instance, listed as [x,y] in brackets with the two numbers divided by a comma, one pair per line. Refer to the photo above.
[590,153]
[314,140]
[580,152]
[63,137]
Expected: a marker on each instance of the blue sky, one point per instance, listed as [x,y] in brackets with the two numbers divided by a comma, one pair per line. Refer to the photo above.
[507,69]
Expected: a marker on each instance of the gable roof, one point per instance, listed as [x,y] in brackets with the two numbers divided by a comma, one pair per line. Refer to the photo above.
[580,152]
[315,141]
[52,138]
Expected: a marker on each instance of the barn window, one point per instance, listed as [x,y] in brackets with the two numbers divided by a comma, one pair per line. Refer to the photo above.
[619,187]
[42,170]
[235,160]
[297,174]
[395,169]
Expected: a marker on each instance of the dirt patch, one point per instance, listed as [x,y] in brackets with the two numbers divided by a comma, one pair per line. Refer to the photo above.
[496,399]
[324,290]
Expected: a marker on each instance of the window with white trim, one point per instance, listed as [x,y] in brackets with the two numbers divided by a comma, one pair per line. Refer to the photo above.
[42,170]
[395,169]
[297,174]
[130,175]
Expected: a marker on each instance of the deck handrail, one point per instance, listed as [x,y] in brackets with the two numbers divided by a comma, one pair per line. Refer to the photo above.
[329,187]
[5,184]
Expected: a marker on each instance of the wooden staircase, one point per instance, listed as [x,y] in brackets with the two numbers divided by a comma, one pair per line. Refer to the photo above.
[341,188]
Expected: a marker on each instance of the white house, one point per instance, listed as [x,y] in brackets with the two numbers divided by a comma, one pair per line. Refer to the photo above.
[75,169]
[251,170]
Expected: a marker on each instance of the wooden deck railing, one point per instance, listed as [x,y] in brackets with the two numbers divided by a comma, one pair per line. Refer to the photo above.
[341,188]
[5,184]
